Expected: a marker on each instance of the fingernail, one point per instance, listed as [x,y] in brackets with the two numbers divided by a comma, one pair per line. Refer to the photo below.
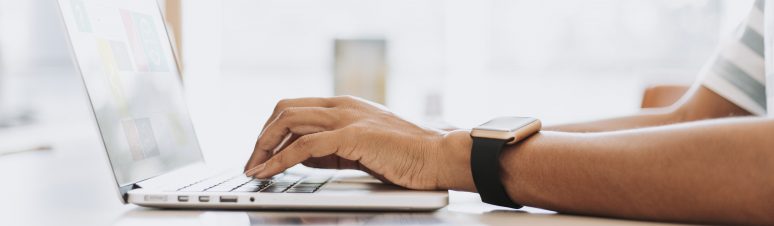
[256,170]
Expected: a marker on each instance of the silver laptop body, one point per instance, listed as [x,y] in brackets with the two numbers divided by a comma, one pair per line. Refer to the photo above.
[125,58]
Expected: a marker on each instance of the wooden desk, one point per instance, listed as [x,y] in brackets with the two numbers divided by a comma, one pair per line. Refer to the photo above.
[71,185]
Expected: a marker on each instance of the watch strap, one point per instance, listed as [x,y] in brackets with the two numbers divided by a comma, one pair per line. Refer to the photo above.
[485,165]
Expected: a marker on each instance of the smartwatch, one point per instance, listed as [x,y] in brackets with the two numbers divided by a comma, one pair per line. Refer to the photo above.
[489,139]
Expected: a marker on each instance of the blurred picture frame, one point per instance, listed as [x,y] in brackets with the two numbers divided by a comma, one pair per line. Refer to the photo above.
[360,68]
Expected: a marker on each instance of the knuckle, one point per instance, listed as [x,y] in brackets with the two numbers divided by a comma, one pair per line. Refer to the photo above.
[328,116]
[264,146]
[357,128]
[268,140]
[304,142]
[346,136]
[283,104]
[306,147]
[279,159]
[280,105]
[349,97]
[287,113]
[345,98]
[346,132]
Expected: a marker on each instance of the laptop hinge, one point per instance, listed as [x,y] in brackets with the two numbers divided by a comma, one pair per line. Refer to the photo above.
[125,191]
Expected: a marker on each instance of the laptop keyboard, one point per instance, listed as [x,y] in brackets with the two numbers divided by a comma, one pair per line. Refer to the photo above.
[242,183]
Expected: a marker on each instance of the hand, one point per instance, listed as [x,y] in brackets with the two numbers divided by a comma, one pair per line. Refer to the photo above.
[351,133]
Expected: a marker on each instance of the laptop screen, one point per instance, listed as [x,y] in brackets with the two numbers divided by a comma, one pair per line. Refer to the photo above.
[133,83]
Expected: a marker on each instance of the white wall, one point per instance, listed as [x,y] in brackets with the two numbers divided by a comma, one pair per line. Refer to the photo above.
[561,60]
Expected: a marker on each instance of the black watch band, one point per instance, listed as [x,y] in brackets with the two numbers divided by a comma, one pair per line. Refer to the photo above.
[485,164]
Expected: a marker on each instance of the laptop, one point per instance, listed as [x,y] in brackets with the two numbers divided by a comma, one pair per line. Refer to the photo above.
[123,53]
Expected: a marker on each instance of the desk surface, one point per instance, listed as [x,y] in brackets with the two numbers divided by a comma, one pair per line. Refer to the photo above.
[71,185]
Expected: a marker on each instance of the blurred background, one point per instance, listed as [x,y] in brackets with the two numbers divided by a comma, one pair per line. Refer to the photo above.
[455,62]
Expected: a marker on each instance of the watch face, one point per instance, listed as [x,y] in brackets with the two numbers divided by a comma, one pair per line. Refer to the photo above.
[506,124]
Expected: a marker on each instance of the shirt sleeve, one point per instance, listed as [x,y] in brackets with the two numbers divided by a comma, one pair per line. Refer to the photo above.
[737,71]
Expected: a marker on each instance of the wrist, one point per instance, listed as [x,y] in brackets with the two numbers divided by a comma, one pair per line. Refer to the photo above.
[455,159]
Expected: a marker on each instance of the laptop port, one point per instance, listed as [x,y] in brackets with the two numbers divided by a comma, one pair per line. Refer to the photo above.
[156,198]
[182,198]
[204,198]
[228,199]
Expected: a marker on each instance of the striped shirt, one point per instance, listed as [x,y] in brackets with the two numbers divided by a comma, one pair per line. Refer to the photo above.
[738,71]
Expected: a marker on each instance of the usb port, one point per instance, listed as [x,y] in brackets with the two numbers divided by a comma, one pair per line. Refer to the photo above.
[182,198]
[204,198]
[228,199]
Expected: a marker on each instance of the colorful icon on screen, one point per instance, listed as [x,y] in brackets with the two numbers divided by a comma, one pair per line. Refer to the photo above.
[145,42]
[81,16]
[141,139]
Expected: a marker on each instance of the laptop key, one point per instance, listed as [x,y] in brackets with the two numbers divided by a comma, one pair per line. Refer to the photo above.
[250,188]
[281,185]
[220,189]
[278,186]
[257,183]
[247,189]
[301,190]
[307,186]
[289,179]
[315,180]
[242,183]
[273,190]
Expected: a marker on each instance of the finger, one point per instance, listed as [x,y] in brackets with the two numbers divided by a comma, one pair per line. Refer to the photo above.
[308,146]
[259,157]
[299,102]
[299,121]
[285,142]
[256,158]
[263,150]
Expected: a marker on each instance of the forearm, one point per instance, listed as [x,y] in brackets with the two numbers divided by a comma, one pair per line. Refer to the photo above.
[698,104]
[699,172]
[647,118]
